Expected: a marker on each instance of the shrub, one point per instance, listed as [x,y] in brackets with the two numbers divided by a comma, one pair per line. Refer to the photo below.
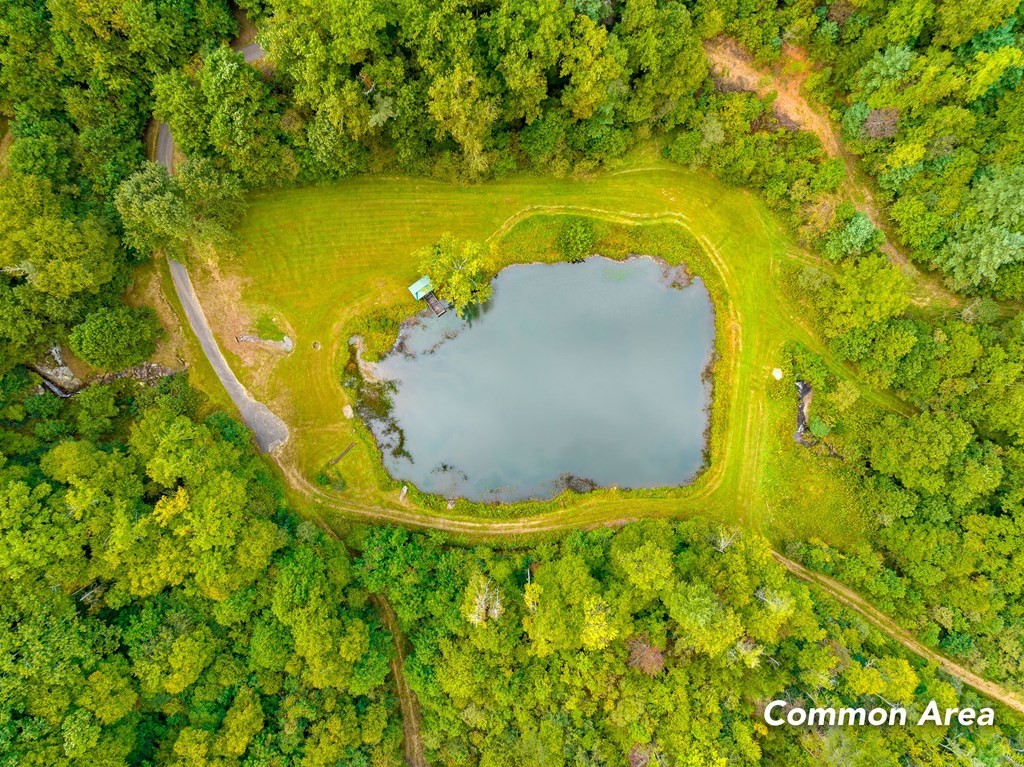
[852,237]
[576,239]
[116,338]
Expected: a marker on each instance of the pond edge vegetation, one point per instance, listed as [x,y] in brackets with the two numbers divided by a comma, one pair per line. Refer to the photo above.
[540,238]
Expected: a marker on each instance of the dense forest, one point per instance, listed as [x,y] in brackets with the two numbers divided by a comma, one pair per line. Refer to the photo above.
[163,606]
[930,97]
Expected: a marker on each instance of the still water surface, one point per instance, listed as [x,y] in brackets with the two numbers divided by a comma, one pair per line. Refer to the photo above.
[586,373]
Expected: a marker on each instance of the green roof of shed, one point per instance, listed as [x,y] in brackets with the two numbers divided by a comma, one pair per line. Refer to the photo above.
[421,287]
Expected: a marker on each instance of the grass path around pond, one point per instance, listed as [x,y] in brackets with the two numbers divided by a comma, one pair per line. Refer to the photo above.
[318,256]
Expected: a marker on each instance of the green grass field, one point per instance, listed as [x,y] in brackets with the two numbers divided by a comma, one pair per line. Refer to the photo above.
[319,257]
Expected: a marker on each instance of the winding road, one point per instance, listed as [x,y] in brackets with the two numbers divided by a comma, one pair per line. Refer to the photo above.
[271,432]
[268,429]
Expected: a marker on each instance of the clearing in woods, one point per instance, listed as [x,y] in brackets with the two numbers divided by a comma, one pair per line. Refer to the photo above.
[316,258]
[324,255]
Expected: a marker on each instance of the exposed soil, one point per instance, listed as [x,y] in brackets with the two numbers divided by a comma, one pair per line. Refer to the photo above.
[733,68]
[6,137]
[246,28]
[147,290]
[231,319]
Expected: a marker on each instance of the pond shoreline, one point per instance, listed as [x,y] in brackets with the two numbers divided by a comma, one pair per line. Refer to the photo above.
[675,276]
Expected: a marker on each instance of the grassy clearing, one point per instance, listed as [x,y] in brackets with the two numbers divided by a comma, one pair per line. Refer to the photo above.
[319,258]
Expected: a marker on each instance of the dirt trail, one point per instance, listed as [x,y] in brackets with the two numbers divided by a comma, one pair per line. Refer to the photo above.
[851,599]
[552,523]
[407,702]
[733,69]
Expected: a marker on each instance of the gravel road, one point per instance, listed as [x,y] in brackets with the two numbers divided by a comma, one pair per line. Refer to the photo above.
[252,52]
[269,430]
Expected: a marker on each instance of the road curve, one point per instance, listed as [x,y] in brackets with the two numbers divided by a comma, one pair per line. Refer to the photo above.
[269,430]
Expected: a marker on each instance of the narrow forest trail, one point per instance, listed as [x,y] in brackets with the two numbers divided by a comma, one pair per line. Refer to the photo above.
[733,67]
[851,599]
[412,743]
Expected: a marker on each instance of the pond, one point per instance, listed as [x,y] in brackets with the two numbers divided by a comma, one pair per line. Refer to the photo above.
[574,375]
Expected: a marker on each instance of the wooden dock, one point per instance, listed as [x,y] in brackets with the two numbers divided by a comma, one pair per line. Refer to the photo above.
[436,305]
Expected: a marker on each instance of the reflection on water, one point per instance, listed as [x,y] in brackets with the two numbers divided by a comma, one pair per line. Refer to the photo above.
[574,375]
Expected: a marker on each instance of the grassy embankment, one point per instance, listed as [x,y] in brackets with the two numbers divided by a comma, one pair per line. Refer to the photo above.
[320,257]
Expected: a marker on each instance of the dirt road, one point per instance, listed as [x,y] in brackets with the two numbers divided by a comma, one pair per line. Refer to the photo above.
[407,702]
[880,620]
[555,522]
[269,430]
[732,67]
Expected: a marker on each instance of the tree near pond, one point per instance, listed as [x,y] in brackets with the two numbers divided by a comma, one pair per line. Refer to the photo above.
[459,271]
[116,338]
[576,239]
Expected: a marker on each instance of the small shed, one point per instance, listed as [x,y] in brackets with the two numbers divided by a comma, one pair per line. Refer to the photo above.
[421,287]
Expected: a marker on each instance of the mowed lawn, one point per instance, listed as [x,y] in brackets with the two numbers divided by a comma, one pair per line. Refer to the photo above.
[317,256]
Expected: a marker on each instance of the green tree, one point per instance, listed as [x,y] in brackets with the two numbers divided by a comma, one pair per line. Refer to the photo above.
[116,338]
[459,270]
[867,292]
[189,212]
[576,239]
[58,255]
[989,234]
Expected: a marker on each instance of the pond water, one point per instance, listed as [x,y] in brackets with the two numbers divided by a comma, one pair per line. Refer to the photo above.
[574,375]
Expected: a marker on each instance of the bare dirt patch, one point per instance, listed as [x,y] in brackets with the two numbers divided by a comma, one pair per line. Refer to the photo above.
[407,701]
[6,137]
[147,290]
[246,28]
[229,316]
[733,67]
